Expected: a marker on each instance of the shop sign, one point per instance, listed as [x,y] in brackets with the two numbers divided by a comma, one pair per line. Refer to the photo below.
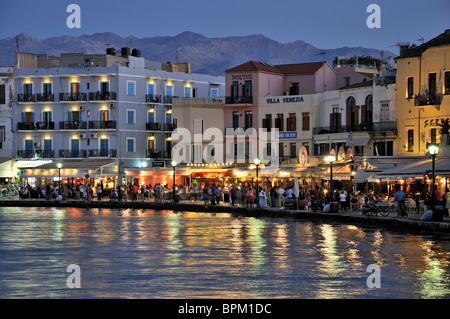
[285,135]
[158,164]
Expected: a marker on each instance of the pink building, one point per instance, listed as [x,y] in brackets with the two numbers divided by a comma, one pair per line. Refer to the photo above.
[246,83]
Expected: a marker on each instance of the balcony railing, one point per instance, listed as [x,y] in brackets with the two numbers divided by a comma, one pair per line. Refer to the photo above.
[169,127]
[239,100]
[168,99]
[72,154]
[26,154]
[102,153]
[97,96]
[154,154]
[384,126]
[45,125]
[152,98]
[427,99]
[45,153]
[26,98]
[74,125]
[40,97]
[102,125]
[151,126]
[72,97]
[25,126]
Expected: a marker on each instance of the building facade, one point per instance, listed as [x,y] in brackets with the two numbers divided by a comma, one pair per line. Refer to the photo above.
[114,112]
[423,94]
[7,165]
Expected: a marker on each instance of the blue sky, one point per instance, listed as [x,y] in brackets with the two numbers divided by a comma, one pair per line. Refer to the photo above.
[323,23]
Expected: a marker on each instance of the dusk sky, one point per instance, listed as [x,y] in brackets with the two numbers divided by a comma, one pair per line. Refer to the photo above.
[323,23]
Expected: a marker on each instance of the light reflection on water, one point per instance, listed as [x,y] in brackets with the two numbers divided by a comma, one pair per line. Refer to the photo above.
[163,254]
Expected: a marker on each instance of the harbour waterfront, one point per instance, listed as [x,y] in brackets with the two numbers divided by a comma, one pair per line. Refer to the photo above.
[147,253]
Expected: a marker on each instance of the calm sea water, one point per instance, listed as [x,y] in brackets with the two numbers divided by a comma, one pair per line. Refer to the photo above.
[164,254]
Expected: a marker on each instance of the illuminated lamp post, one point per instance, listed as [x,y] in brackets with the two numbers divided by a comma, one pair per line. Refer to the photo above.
[174,164]
[331,159]
[257,163]
[59,165]
[433,149]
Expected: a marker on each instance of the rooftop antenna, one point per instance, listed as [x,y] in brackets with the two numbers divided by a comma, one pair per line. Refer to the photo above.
[108,44]
[176,57]
[17,43]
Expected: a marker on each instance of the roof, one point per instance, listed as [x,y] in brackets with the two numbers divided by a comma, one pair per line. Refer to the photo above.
[440,40]
[297,68]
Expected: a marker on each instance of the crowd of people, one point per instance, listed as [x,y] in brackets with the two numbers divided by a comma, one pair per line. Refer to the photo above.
[243,195]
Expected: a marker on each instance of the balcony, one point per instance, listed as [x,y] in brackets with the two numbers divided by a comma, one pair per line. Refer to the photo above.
[45,153]
[151,126]
[26,154]
[169,127]
[427,99]
[75,125]
[102,153]
[168,99]
[72,97]
[97,96]
[45,126]
[25,126]
[26,98]
[239,100]
[152,98]
[102,125]
[154,154]
[385,126]
[72,154]
[40,97]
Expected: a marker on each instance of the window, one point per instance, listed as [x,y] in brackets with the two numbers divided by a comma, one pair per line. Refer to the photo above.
[305,121]
[169,90]
[267,122]
[214,92]
[151,117]
[347,81]
[2,135]
[433,135]
[383,148]
[335,120]
[151,89]
[291,122]
[352,113]
[247,89]
[248,119]
[293,147]
[131,144]
[269,149]
[131,88]
[432,85]
[447,82]
[104,87]
[198,126]
[47,88]
[410,88]
[169,117]
[28,89]
[367,110]
[294,89]
[234,89]
[410,146]
[131,116]
[279,122]
[235,119]
[187,92]
[2,94]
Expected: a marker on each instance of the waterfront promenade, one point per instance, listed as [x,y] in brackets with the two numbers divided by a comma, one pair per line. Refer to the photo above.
[410,224]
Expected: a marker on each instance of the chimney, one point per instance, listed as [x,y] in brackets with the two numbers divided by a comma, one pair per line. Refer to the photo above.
[404,46]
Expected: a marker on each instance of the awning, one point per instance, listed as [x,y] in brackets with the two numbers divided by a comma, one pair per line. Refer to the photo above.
[360,141]
[6,167]
[417,169]
[361,176]
[71,168]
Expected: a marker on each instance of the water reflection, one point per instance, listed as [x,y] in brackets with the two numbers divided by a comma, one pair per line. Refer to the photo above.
[133,253]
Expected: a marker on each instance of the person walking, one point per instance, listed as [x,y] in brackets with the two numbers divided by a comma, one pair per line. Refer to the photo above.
[342,200]
[233,193]
[281,193]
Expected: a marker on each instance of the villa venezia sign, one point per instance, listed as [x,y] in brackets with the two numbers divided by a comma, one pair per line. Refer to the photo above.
[293,99]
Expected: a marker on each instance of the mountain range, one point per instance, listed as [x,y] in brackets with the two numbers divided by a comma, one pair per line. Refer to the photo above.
[206,55]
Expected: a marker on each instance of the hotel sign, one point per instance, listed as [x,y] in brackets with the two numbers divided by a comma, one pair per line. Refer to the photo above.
[293,99]
[285,135]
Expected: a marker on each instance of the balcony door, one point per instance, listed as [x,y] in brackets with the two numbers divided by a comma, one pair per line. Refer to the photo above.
[75,147]
[104,147]
[28,147]
[104,115]
[74,90]
[104,87]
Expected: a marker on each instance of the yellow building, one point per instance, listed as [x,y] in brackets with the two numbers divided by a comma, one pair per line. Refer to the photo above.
[423,94]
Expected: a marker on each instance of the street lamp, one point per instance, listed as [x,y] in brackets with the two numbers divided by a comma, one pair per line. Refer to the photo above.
[330,159]
[59,165]
[174,164]
[433,149]
[257,163]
